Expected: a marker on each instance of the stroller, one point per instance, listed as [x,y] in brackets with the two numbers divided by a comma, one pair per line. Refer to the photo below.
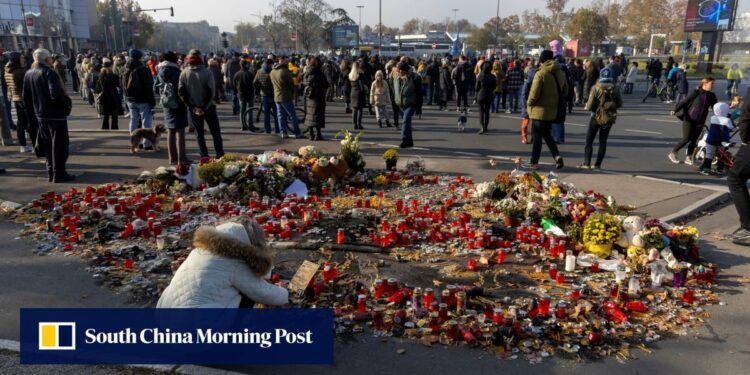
[723,160]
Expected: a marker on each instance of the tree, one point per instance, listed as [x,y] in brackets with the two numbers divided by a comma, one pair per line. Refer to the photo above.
[425,25]
[366,29]
[136,20]
[245,34]
[411,26]
[274,28]
[341,18]
[481,39]
[501,27]
[641,18]
[304,17]
[587,24]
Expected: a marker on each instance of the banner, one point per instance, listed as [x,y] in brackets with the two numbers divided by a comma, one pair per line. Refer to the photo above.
[11,27]
[172,336]
[710,15]
[346,36]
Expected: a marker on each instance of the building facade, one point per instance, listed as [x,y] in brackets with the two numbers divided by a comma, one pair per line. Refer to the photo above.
[58,25]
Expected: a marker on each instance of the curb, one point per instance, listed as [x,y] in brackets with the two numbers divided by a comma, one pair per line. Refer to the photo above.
[698,206]
[15,346]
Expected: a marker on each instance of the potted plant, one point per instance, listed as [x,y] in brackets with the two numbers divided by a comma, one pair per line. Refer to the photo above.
[600,232]
[512,211]
[391,158]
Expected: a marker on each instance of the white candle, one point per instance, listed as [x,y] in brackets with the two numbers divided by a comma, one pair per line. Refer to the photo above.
[570,261]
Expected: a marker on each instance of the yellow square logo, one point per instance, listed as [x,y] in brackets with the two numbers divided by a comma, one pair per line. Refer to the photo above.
[57,336]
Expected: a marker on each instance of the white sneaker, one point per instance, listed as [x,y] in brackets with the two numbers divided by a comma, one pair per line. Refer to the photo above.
[688,160]
[26,149]
[673,158]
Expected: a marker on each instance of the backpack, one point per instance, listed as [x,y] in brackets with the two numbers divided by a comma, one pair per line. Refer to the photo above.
[168,99]
[606,110]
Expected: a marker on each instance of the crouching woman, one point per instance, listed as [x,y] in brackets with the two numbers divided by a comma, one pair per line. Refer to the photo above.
[229,264]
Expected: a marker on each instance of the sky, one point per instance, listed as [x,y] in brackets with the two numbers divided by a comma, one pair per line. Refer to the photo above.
[226,13]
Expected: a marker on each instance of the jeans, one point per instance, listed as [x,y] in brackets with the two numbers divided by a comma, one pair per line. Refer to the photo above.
[235,101]
[212,120]
[462,94]
[737,181]
[558,132]
[176,146]
[284,109]
[496,99]
[434,88]
[514,98]
[6,105]
[407,114]
[246,119]
[690,134]
[54,142]
[23,125]
[381,113]
[269,111]
[590,135]
[542,130]
[140,116]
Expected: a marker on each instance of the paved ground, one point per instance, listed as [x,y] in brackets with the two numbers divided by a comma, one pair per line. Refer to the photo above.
[636,155]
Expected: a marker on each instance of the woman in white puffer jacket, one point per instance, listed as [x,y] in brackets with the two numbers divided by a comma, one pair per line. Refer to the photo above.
[228,262]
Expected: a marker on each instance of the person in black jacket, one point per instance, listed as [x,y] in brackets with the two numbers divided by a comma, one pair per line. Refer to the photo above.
[137,85]
[329,71]
[433,71]
[446,86]
[47,103]
[175,119]
[242,84]
[485,89]
[694,111]
[316,86]
[739,174]
[109,100]
[356,86]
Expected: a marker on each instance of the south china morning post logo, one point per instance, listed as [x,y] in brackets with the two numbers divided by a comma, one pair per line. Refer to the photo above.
[57,336]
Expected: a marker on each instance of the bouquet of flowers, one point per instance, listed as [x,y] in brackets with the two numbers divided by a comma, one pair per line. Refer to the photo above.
[653,237]
[350,152]
[602,229]
[512,208]
[505,182]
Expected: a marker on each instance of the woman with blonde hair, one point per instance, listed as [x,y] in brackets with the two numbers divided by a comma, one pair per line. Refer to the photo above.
[357,89]
[229,264]
[380,98]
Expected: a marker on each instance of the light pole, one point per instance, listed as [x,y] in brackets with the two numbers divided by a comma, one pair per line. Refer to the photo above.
[455,22]
[497,26]
[359,26]
[380,27]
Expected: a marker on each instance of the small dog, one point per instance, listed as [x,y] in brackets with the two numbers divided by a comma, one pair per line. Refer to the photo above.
[152,135]
[462,121]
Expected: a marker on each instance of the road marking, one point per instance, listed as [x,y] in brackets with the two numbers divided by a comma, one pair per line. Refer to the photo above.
[467,153]
[660,120]
[566,123]
[642,131]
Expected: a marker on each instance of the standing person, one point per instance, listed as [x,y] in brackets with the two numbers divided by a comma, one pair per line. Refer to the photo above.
[433,72]
[405,97]
[514,79]
[380,98]
[485,90]
[526,129]
[592,77]
[14,73]
[546,103]
[603,103]
[231,68]
[460,76]
[343,79]
[330,73]
[681,84]
[215,70]
[72,61]
[739,174]
[46,101]
[394,74]
[580,99]
[734,78]
[357,89]
[137,83]
[316,86]
[446,86]
[197,89]
[631,78]
[59,66]
[106,89]
[244,91]
[693,113]
[283,92]
[264,86]
[176,117]
[118,68]
[497,95]
[7,125]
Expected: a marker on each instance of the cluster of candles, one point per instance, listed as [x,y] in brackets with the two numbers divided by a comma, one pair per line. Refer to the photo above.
[280,218]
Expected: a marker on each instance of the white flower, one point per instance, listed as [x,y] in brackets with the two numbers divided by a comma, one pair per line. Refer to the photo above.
[344,142]
[323,162]
[334,160]
[483,190]
[231,170]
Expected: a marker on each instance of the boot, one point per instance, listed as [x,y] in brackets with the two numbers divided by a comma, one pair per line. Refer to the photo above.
[312,133]
[380,123]
[388,123]
[482,130]
[318,134]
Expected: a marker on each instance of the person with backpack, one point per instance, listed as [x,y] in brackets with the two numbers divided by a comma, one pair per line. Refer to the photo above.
[693,112]
[14,73]
[108,99]
[244,91]
[603,103]
[460,77]
[197,88]
[138,84]
[175,110]
[681,84]
[547,105]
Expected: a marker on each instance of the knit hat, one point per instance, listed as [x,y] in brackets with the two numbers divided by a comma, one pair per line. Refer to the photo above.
[545,56]
[135,53]
[234,231]
[605,75]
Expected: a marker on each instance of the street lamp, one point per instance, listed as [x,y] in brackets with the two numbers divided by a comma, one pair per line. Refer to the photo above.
[359,26]
[380,27]
[455,22]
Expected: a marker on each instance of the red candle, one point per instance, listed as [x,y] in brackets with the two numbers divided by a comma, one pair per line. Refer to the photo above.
[361,303]
[472,265]
[560,312]
[544,305]
[379,288]
[594,267]
[399,205]
[553,271]
[128,263]
[560,279]
[442,312]
[328,204]
[340,236]
[429,297]
[689,296]
[435,322]
[497,315]
[377,318]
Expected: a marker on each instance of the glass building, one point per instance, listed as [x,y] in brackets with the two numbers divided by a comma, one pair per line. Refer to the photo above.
[58,25]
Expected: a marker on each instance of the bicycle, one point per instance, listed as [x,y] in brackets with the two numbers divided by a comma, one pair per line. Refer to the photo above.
[662,90]
[723,154]
[300,111]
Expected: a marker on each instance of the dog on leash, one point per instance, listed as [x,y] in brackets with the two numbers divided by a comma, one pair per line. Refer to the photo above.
[150,134]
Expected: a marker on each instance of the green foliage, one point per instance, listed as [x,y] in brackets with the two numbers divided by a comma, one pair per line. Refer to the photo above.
[588,24]
[212,173]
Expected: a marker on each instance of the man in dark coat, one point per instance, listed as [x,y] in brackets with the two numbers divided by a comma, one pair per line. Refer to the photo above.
[45,100]
[315,87]
[242,84]
[739,174]
[137,85]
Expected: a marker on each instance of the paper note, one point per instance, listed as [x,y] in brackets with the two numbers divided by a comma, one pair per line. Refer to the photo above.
[304,274]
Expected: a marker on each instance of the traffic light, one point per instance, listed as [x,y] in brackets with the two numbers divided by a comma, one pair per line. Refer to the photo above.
[171,11]
[689,44]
